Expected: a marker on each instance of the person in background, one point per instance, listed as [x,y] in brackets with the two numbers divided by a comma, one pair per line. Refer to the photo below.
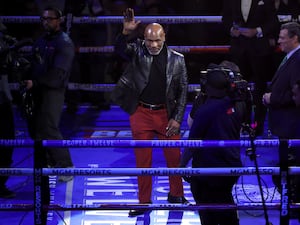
[87,68]
[54,53]
[253,27]
[296,93]
[288,7]
[153,91]
[284,116]
[217,118]
[7,127]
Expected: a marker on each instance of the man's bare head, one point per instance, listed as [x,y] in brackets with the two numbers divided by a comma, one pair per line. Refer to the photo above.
[154,36]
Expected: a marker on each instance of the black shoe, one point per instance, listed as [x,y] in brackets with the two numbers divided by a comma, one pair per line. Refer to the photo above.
[137,212]
[180,200]
[65,178]
[6,193]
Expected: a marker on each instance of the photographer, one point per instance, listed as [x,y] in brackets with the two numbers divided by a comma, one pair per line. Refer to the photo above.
[219,117]
[7,128]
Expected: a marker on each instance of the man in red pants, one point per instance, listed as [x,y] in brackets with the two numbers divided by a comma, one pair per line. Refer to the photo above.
[153,90]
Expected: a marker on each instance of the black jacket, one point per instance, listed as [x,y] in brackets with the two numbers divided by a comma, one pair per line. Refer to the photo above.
[216,119]
[284,115]
[5,94]
[136,76]
[262,14]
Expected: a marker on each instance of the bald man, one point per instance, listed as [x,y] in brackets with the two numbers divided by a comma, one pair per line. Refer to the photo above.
[153,91]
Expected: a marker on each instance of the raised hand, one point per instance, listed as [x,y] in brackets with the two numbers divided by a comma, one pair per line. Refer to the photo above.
[129,23]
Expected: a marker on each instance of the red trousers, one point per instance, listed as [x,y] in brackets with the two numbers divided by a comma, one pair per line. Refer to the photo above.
[147,124]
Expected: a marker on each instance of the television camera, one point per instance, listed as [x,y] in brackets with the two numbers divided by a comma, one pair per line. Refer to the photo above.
[14,66]
[238,88]
[12,62]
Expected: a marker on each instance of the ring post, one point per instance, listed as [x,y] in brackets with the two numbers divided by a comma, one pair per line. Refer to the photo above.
[41,185]
[284,182]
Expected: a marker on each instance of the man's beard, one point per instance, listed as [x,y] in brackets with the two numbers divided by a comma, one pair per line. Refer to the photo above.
[156,52]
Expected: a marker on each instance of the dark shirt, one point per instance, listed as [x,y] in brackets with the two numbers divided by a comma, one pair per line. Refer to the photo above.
[199,100]
[216,119]
[5,94]
[54,60]
[155,93]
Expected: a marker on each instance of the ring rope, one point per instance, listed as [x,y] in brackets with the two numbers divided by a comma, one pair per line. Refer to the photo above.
[191,19]
[59,207]
[62,207]
[218,171]
[147,143]
[97,87]
[182,49]
[146,19]
[109,87]
[165,143]
[40,207]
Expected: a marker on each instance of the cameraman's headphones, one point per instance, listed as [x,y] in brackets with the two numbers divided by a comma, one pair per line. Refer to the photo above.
[229,74]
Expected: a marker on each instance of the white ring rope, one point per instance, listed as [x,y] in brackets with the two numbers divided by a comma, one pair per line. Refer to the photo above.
[61,207]
[92,143]
[226,171]
[119,19]
[140,143]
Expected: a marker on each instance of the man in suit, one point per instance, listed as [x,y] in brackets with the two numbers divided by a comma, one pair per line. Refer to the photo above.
[253,26]
[284,116]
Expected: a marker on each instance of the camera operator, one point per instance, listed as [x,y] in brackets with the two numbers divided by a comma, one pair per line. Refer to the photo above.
[219,117]
[7,128]
[242,92]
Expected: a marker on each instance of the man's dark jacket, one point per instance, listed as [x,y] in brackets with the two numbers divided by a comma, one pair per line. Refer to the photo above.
[262,14]
[136,77]
[284,115]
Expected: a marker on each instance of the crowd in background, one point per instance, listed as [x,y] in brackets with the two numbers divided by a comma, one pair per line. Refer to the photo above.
[252,37]
[106,68]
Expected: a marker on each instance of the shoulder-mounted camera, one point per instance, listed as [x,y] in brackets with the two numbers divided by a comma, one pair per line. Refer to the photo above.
[222,77]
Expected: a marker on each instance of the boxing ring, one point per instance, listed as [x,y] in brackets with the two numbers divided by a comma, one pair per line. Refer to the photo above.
[38,171]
